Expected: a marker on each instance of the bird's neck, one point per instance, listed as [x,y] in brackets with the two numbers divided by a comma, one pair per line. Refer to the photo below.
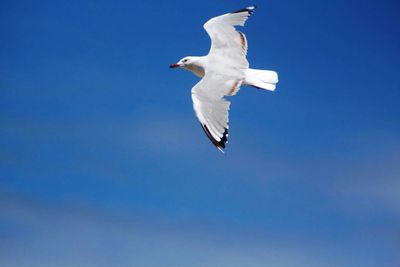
[197,66]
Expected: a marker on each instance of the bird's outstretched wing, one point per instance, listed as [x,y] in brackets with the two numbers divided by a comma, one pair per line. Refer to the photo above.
[212,108]
[226,41]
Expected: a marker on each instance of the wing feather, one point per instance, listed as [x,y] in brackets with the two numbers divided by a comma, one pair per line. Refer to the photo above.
[211,108]
[225,39]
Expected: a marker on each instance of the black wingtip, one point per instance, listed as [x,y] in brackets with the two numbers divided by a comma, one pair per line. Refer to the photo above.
[249,9]
[219,144]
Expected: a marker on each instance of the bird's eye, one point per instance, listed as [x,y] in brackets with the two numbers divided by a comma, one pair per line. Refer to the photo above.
[185,60]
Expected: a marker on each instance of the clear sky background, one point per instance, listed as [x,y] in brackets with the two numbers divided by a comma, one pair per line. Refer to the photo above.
[103,163]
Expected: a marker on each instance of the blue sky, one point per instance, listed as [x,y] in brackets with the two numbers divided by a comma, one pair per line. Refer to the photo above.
[103,163]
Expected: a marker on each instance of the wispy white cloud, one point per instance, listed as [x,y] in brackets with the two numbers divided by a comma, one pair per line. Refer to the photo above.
[60,235]
[92,238]
[375,181]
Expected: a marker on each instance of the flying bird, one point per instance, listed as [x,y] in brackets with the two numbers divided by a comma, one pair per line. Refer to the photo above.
[223,71]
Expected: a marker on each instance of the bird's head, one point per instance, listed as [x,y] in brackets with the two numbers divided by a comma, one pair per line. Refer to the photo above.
[184,62]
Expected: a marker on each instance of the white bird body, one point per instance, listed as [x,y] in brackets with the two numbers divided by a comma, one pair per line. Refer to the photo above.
[223,71]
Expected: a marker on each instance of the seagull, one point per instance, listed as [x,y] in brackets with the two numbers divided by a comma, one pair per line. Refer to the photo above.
[223,71]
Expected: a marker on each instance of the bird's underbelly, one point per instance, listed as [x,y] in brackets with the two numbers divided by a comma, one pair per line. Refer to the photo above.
[228,66]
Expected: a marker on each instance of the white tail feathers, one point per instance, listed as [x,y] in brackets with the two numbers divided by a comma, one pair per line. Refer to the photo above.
[263,79]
